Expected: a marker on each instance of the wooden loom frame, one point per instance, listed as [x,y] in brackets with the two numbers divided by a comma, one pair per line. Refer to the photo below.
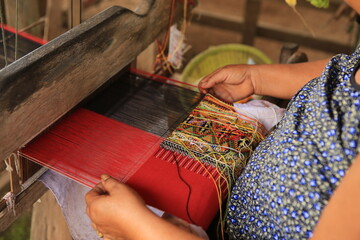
[41,87]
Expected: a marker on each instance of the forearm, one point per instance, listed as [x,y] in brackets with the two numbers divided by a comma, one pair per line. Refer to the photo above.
[284,80]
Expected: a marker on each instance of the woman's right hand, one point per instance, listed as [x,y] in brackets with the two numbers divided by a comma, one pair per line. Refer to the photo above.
[229,83]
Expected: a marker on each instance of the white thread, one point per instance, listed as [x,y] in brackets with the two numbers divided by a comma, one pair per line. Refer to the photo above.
[16,161]
[10,201]
[8,165]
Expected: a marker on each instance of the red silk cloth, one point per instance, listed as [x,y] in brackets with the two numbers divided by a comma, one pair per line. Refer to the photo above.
[85,145]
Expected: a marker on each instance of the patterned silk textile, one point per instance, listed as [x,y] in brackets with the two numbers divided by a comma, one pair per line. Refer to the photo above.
[215,134]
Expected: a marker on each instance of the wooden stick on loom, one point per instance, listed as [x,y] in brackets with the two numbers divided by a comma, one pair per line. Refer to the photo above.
[44,85]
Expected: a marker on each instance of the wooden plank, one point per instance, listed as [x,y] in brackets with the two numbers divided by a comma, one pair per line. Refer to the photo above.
[41,87]
[269,31]
[24,201]
[279,34]
[227,22]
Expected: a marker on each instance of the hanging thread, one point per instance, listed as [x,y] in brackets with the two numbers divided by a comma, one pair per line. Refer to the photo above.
[162,59]
[10,202]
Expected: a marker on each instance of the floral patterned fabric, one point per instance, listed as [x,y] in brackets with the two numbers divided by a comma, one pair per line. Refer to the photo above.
[295,170]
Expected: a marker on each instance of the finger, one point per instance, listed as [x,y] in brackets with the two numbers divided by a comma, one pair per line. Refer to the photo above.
[203,90]
[99,188]
[211,81]
[205,80]
[109,183]
[94,193]
[104,178]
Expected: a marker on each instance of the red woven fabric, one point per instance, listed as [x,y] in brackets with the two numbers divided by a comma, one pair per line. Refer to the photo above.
[85,145]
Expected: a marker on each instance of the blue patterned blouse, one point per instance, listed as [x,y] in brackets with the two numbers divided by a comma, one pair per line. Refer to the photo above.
[295,170]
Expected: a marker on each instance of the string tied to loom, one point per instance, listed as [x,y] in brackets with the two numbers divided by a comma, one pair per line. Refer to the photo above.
[10,197]
[10,202]
[8,165]
[16,159]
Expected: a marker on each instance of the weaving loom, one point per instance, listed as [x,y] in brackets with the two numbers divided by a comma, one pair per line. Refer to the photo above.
[129,148]
[131,154]
[119,130]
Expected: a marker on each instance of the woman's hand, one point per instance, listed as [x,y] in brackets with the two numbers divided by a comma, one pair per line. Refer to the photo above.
[113,207]
[118,212]
[230,83]
[234,82]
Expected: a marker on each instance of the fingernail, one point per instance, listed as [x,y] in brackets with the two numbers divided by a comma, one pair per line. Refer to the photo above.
[104,177]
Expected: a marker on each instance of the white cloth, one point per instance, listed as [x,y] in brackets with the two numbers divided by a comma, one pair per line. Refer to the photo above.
[268,114]
[71,197]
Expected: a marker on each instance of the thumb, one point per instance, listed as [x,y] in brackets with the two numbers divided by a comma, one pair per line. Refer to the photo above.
[109,182]
[204,83]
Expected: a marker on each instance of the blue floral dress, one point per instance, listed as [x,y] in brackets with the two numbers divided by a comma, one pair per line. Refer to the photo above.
[295,170]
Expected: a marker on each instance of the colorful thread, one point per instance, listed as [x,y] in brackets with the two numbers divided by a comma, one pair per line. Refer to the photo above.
[215,134]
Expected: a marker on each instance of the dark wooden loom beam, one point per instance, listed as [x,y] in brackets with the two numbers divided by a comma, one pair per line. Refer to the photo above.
[43,86]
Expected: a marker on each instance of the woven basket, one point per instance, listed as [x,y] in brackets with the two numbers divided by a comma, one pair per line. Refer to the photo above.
[219,56]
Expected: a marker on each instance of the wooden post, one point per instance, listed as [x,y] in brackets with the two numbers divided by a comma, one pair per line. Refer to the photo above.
[53,20]
[75,13]
[252,10]
[145,61]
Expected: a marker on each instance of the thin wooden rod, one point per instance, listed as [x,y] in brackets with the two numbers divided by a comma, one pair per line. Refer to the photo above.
[71,14]
[16,29]
[75,13]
